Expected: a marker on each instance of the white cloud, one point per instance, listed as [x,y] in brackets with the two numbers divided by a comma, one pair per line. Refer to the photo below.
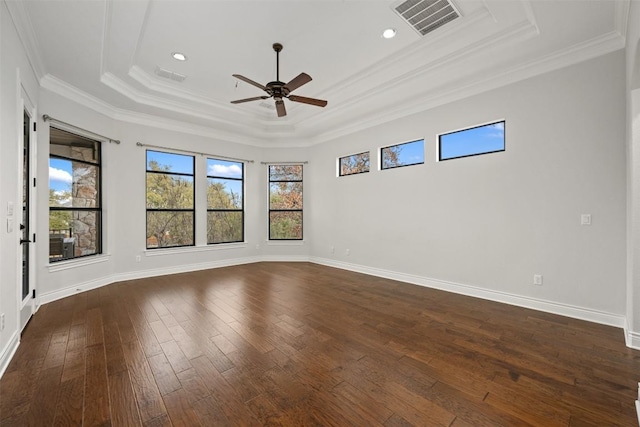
[233,171]
[60,175]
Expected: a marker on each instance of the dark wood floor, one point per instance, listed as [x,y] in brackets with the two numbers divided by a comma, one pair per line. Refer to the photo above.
[298,344]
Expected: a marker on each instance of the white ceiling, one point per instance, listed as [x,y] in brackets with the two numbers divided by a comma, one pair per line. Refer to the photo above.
[104,54]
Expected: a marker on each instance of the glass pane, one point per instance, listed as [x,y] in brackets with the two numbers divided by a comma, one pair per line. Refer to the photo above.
[224,194]
[285,195]
[224,169]
[410,153]
[285,173]
[357,163]
[73,184]
[285,225]
[73,234]
[166,191]
[169,162]
[224,227]
[74,147]
[469,142]
[166,229]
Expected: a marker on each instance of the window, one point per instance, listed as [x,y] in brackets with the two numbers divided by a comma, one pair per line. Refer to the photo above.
[407,154]
[285,202]
[170,200]
[472,141]
[75,210]
[353,164]
[225,201]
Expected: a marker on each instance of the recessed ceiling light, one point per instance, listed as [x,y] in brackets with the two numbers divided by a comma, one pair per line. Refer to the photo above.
[389,33]
[179,56]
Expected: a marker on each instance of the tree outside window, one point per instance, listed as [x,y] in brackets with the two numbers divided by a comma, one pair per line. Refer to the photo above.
[285,202]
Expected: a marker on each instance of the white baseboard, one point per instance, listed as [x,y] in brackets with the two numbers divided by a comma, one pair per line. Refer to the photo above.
[474,291]
[284,258]
[632,338]
[48,297]
[8,352]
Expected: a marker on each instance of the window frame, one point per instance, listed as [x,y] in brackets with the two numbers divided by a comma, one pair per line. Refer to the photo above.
[242,209]
[353,155]
[147,209]
[301,210]
[504,137]
[382,167]
[97,210]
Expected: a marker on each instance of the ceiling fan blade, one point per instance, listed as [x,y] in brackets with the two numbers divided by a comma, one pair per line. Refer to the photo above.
[255,98]
[280,108]
[303,78]
[251,82]
[310,101]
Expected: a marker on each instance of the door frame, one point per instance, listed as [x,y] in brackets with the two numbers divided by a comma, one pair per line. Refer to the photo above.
[27,306]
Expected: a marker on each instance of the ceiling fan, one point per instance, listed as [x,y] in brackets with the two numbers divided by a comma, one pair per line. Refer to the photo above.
[279,90]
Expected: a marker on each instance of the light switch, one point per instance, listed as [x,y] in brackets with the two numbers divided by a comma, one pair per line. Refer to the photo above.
[585,219]
[9,208]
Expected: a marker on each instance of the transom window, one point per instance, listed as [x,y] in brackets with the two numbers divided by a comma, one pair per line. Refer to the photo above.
[225,201]
[285,202]
[75,208]
[353,164]
[406,154]
[472,141]
[170,200]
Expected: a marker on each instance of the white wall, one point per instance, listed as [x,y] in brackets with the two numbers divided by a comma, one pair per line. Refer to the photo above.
[493,221]
[16,76]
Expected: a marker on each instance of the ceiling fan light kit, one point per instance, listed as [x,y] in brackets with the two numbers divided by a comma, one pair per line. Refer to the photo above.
[279,90]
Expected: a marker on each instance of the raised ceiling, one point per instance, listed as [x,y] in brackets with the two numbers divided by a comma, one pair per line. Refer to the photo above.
[104,54]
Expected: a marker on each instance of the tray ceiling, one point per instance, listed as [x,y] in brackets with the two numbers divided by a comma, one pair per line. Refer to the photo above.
[107,56]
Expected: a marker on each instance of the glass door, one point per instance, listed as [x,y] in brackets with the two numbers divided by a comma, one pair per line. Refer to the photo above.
[27,306]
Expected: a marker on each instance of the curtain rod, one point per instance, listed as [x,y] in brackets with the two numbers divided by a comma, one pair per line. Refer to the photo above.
[46,117]
[285,163]
[140,144]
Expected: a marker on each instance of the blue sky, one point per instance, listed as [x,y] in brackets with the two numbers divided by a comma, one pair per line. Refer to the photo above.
[482,139]
[179,163]
[60,176]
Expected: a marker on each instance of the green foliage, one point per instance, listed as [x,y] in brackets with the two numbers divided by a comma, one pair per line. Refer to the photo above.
[224,226]
[285,197]
[167,191]
[59,220]
[285,225]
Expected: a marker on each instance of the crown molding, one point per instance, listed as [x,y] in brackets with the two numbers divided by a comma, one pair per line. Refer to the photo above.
[621,17]
[27,36]
[575,54]
[59,87]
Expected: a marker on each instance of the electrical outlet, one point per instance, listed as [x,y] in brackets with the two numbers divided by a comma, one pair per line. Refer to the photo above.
[585,219]
[333,250]
[257,246]
[347,252]
[138,258]
[2,322]
[537,279]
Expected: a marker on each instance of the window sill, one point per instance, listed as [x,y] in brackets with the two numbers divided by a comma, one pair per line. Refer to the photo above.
[285,242]
[191,249]
[74,263]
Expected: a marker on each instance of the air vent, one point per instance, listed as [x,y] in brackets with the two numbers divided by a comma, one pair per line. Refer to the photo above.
[170,74]
[427,15]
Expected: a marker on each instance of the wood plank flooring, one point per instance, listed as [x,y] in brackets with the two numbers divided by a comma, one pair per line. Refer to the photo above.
[298,344]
